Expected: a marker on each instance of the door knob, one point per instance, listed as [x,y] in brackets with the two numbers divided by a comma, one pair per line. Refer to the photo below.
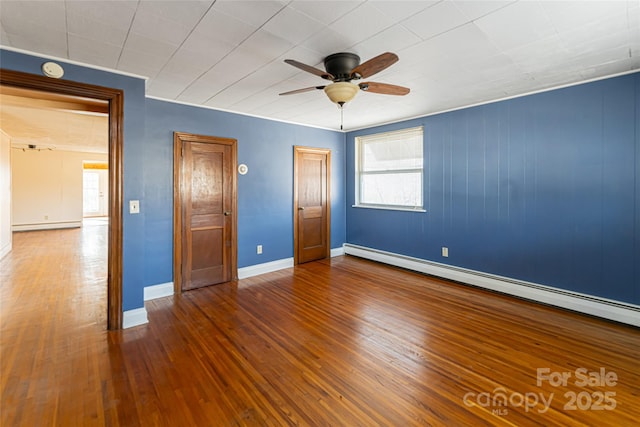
[227,213]
[301,208]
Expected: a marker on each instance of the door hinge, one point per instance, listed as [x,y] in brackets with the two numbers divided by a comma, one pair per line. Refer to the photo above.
[182,151]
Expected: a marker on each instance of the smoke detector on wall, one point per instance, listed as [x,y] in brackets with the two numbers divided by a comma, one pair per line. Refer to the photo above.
[51,69]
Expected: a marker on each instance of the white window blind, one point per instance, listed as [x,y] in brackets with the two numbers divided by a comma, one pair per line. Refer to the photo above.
[389,169]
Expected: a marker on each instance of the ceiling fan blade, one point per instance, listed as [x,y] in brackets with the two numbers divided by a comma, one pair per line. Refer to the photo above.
[306,89]
[384,88]
[309,69]
[374,65]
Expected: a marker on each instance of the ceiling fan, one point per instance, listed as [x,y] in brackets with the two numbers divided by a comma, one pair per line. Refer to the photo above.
[342,68]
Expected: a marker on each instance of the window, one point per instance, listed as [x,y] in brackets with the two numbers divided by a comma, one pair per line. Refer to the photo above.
[389,170]
[90,192]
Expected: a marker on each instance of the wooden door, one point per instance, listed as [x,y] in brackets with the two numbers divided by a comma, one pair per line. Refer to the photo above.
[312,213]
[204,209]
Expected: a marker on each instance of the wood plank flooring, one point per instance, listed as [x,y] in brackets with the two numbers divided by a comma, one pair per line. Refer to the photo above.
[340,342]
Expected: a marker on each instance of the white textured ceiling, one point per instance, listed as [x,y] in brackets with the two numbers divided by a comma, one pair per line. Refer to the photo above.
[51,121]
[228,54]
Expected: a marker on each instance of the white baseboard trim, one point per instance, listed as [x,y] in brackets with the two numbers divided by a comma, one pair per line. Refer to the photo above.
[5,250]
[267,267]
[588,304]
[337,252]
[135,317]
[158,291]
[138,316]
[47,226]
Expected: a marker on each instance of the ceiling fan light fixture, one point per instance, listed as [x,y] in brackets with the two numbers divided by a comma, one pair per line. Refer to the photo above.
[341,92]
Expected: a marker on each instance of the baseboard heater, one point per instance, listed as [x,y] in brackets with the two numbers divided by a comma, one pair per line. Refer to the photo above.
[583,303]
[46,226]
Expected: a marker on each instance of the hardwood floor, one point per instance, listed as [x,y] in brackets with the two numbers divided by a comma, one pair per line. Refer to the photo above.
[341,342]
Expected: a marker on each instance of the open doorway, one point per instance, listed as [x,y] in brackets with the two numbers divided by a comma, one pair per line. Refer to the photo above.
[61,90]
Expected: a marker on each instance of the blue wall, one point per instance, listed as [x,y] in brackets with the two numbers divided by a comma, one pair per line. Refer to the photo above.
[543,188]
[265,194]
[134,117]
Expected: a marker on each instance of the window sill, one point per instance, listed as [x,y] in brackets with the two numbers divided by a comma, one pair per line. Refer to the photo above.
[389,208]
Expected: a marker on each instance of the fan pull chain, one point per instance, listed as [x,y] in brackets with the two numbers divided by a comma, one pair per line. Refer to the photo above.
[341,107]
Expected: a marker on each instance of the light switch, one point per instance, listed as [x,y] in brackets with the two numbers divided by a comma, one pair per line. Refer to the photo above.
[134,206]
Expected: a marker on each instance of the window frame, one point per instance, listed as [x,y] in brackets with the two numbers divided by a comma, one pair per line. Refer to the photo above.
[359,172]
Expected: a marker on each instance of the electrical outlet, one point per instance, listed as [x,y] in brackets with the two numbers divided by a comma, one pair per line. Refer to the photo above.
[259,250]
[134,206]
[445,251]
[46,217]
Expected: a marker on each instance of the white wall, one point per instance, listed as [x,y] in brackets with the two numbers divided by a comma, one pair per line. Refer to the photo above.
[5,194]
[47,188]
